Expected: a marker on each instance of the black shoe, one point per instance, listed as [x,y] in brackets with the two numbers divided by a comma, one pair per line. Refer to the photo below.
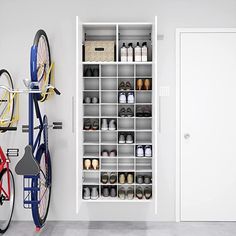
[88,72]
[96,72]
[148,193]
[129,112]
[122,112]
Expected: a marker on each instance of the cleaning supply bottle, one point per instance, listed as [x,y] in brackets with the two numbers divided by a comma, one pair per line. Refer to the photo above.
[138,53]
[123,53]
[130,52]
[144,51]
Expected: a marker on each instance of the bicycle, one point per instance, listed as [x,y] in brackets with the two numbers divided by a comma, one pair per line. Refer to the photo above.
[35,164]
[7,184]
[7,189]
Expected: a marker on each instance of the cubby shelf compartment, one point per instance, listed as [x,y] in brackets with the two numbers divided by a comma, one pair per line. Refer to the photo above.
[102,80]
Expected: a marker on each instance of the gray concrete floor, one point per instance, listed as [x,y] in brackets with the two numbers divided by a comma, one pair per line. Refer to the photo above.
[125,228]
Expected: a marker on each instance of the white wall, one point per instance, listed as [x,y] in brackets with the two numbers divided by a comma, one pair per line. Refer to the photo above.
[19,20]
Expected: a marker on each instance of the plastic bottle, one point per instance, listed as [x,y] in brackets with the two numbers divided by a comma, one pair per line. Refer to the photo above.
[144,51]
[130,52]
[138,53]
[123,53]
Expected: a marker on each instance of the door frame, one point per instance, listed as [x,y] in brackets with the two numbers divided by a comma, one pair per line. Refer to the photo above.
[179,32]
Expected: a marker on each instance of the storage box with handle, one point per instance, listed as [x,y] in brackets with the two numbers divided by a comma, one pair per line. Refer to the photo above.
[99,51]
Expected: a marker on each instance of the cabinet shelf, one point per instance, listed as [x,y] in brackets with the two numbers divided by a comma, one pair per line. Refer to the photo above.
[105,86]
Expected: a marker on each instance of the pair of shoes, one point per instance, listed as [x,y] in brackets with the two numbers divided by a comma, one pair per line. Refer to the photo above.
[143,179]
[126,138]
[112,153]
[143,111]
[105,178]
[126,112]
[143,84]
[91,100]
[126,178]
[106,191]
[90,193]
[147,192]
[89,126]
[111,126]
[125,86]
[144,151]
[123,194]
[88,164]
[126,98]
[89,72]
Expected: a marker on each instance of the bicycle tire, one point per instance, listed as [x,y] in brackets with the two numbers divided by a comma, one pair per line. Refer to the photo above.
[13,103]
[38,220]
[4,171]
[41,34]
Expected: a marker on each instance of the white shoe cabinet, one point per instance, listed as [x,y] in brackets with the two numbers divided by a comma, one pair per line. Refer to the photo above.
[105,86]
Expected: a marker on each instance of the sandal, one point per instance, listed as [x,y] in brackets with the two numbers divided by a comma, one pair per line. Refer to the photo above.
[95,125]
[87,124]
[148,193]
[122,86]
[128,85]
[104,178]
[139,193]
[113,178]
[129,112]
[122,112]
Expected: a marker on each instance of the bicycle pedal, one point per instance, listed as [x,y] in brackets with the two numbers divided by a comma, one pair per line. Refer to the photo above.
[25,128]
[57,125]
[12,152]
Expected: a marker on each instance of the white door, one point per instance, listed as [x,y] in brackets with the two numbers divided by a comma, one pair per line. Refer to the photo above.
[208,126]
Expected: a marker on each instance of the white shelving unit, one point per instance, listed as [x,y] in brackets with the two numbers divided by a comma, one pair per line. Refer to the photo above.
[105,86]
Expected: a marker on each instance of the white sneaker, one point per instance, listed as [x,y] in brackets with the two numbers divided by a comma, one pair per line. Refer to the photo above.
[112,125]
[130,98]
[121,138]
[94,193]
[122,98]
[148,151]
[104,124]
[129,138]
[140,151]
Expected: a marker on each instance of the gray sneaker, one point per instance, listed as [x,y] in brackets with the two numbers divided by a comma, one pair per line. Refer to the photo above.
[147,179]
[105,192]
[94,100]
[86,193]
[113,192]
[129,139]
[121,138]
[104,124]
[139,179]
[94,193]
[112,125]
[87,100]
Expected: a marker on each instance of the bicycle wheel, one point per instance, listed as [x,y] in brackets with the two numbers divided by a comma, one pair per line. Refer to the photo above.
[6,205]
[41,197]
[7,100]
[40,63]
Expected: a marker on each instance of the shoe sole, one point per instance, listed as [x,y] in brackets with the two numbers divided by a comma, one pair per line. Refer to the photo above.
[140,155]
[86,198]
[112,129]
[104,128]
[122,142]
[129,142]
[94,198]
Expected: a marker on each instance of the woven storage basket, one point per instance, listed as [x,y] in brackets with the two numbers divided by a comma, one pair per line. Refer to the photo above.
[99,50]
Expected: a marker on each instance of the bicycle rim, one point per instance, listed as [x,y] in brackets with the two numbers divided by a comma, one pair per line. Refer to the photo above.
[7,205]
[42,59]
[43,183]
[7,100]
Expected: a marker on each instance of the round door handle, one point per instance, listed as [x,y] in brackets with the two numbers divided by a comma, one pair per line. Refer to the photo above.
[187,136]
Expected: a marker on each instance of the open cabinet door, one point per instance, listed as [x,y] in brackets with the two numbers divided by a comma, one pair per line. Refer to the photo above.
[155,109]
[78,109]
